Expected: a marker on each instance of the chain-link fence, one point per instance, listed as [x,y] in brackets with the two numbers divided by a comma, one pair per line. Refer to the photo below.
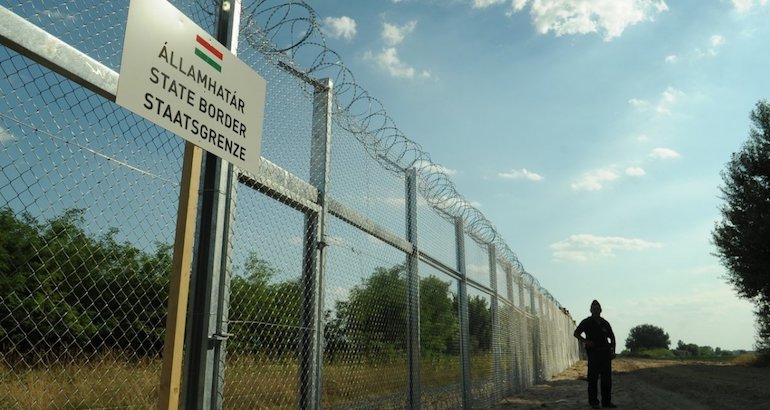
[347,273]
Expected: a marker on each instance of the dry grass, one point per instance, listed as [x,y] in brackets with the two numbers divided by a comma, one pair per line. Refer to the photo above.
[259,382]
[753,359]
[255,382]
[99,382]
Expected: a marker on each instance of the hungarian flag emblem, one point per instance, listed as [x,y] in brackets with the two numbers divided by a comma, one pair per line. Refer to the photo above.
[209,54]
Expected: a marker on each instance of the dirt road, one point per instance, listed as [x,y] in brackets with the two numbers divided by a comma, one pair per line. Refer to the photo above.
[656,384]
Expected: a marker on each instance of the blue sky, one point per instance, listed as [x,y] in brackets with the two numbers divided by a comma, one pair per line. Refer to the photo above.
[590,132]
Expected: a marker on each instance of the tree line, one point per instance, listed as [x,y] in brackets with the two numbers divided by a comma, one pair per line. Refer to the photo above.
[62,287]
[652,340]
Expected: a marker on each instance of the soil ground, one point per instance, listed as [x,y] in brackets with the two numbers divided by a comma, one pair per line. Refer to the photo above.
[656,384]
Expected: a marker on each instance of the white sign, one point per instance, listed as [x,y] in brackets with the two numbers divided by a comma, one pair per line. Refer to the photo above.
[176,75]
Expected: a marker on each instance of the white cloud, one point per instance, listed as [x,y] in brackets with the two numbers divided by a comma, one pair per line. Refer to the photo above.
[389,60]
[643,138]
[746,5]
[663,153]
[715,43]
[5,135]
[595,180]
[340,27]
[393,35]
[523,174]
[481,4]
[743,5]
[672,59]
[431,167]
[635,102]
[635,172]
[562,17]
[716,40]
[666,101]
[587,247]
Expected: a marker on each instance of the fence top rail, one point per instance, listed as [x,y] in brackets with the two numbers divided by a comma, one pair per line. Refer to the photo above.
[30,40]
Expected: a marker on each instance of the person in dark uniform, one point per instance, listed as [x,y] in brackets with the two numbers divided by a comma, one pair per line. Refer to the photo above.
[599,342]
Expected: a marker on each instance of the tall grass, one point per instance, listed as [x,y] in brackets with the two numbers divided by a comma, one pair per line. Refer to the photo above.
[251,381]
[104,381]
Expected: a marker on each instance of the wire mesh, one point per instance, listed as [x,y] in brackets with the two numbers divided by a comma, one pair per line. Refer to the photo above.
[437,234]
[265,290]
[439,340]
[88,197]
[365,329]
[360,182]
[481,359]
[477,262]
[505,339]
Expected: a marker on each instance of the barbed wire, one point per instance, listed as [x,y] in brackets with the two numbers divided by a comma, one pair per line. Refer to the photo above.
[289,32]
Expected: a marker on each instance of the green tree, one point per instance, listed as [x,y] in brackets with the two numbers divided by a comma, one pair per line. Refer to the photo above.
[741,237]
[373,320]
[647,337]
[689,349]
[705,351]
[264,314]
[479,324]
[66,291]
[374,316]
[439,321]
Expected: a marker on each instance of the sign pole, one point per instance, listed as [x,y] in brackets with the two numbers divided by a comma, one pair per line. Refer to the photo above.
[173,345]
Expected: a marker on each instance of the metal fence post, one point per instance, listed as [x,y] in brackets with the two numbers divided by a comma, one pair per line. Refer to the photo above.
[465,342]
[545,340]
[511,328]
[207,332]
[206,329]
[413,291]
[311,314]
[495,313]
[523,337]
[535,335]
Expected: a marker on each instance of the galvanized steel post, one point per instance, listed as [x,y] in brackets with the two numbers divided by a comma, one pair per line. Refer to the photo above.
[495,313]
[413,291]
[523,338]
[311,315]
[511,328]
[206,330]
[465,342]
[535,335]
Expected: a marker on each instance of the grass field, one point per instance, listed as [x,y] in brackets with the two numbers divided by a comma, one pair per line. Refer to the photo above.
[109,381]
